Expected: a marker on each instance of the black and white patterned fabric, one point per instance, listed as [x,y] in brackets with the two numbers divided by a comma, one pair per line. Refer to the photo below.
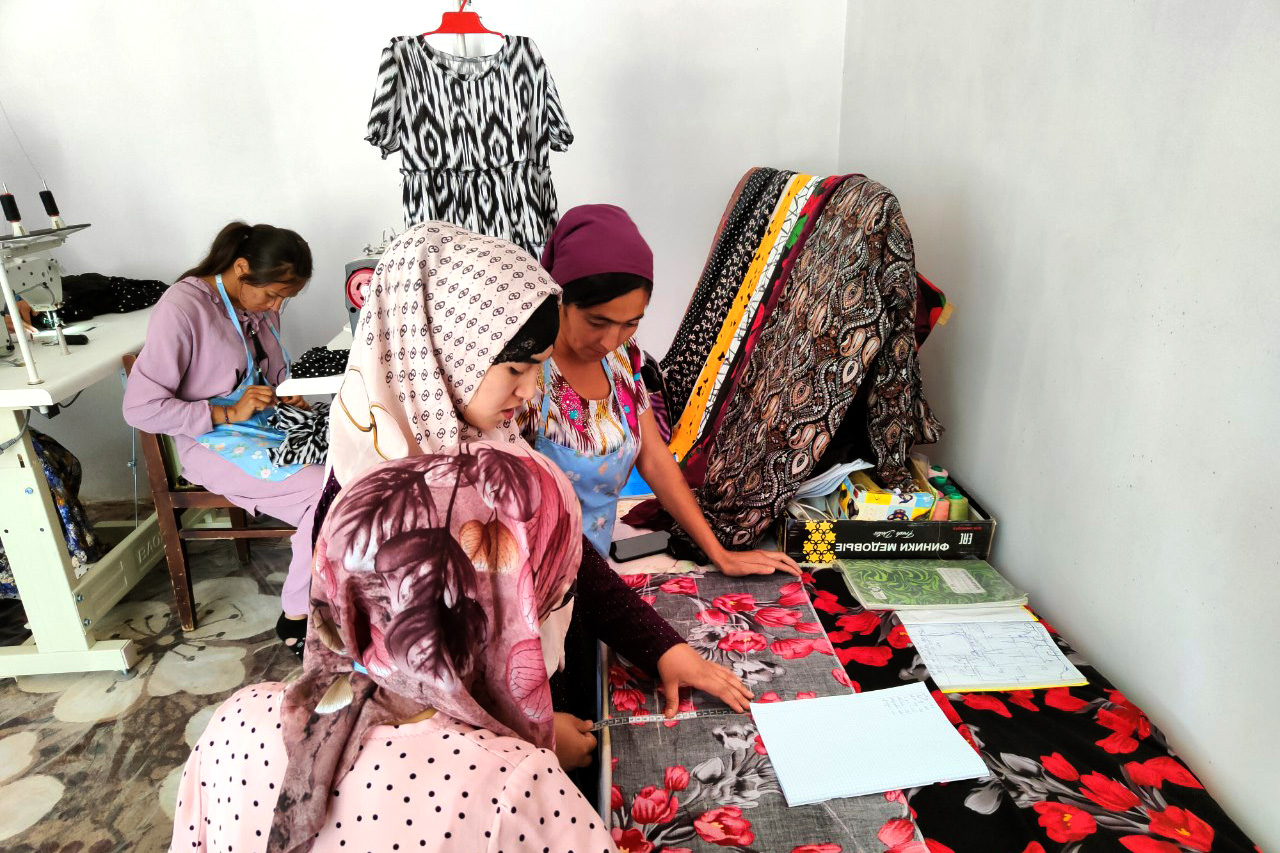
[741,228]
[319,361]
[92,294]
[306,435]
[474,136]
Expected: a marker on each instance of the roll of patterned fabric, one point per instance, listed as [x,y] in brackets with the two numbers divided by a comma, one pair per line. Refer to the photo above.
[733,250]
[836,326]
[695,461]
[737,317]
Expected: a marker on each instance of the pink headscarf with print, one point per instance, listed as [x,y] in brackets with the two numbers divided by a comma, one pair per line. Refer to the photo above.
[433,573]
[442,304]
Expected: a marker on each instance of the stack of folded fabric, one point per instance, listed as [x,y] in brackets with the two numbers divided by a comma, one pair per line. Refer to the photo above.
[808,311]
[319,361]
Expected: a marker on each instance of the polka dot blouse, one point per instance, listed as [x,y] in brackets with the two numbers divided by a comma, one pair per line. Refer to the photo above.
[435,785]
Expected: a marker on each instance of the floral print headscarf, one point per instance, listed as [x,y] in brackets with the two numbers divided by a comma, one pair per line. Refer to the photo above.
[432,575]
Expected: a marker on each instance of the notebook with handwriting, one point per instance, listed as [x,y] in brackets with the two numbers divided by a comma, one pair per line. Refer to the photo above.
[865,743]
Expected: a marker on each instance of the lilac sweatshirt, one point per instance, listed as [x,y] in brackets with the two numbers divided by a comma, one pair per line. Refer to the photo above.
[192,354]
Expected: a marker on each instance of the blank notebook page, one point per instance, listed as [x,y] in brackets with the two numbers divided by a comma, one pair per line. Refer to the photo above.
[866,743]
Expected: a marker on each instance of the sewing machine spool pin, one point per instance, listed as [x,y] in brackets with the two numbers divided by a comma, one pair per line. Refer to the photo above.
[9,205]
[51,208]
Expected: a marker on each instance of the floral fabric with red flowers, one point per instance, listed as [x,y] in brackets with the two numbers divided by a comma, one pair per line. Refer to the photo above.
[1074,769]
[708,784]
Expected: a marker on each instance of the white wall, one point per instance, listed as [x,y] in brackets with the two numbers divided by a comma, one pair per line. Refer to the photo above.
[159,121]
[1095,184]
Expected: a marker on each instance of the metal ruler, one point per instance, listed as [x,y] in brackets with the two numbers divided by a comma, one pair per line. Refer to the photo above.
[659,718]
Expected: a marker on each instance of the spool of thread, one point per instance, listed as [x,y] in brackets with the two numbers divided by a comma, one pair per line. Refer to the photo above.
[51,208]
[941,510]
[959,508]
[938,471]
[10,207]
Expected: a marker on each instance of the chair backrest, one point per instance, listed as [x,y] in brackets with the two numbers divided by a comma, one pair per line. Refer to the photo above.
[163,467]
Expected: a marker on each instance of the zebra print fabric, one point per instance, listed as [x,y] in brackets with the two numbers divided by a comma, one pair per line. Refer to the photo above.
[306,435]
[474,136]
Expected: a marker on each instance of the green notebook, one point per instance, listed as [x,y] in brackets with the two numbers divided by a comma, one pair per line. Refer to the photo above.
[919,584]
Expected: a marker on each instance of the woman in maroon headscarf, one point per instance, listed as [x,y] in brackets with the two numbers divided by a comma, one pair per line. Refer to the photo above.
[591,412]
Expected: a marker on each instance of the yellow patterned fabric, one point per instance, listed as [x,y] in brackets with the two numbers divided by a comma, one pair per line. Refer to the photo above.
[692,419]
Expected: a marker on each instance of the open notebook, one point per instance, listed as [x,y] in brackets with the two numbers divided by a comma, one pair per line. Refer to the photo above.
[865,743]
[965,656]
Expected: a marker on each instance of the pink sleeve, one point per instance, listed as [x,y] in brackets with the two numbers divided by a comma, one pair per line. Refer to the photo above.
[151,403]
[188,814]
[541,807]
[635,358]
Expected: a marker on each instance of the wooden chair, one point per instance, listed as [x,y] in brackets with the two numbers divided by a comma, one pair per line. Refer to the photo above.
[173,497]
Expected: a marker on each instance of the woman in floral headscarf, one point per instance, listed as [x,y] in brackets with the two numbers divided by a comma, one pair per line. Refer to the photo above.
[449,345]
[423,715]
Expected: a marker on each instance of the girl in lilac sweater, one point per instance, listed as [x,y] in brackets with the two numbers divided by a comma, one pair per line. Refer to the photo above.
[206,377]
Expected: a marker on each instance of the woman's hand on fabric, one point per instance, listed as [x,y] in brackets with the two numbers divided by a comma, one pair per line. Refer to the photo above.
[757,562]
[681,666]
[575,744]
[255,399]
[295,401]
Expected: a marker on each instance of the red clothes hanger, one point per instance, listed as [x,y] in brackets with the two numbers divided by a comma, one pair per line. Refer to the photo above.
[461,23]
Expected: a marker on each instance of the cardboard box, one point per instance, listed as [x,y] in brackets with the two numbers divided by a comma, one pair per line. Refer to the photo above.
[824,541]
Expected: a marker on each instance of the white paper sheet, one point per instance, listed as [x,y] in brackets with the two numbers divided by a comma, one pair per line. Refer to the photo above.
[871,742]
[968,656]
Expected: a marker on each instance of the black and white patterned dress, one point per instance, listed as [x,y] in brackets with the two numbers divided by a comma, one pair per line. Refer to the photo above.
[474,136]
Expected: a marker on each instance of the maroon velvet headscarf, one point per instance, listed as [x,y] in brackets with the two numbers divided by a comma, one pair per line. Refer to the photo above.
[592,239]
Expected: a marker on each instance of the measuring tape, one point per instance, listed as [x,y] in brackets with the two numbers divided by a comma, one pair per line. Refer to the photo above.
[659,718]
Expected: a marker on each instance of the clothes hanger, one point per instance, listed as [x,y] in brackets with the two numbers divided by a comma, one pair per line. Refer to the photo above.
[461,23]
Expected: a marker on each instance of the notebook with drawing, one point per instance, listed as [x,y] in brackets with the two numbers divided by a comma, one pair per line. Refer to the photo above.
[872,742]
[963,657]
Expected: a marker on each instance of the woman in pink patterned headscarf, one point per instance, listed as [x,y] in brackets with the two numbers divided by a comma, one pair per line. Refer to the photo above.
[449,344]
[423,714]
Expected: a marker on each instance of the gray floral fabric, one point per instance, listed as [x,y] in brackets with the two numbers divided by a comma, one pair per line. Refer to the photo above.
[707,784]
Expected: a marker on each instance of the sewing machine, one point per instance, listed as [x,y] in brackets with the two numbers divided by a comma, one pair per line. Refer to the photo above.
[63,602]
[26,270]
[356,290]
[360,273]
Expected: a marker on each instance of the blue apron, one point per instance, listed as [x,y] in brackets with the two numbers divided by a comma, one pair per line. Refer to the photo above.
[597,478]
[247,444]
